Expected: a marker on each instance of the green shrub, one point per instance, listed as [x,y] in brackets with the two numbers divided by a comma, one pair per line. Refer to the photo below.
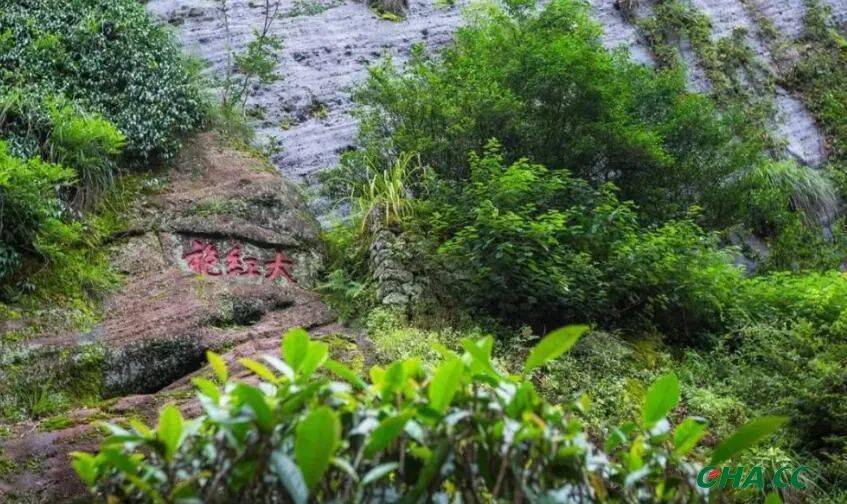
[525,241]
[87,144]
[676,278]
[528,244]
[107,56]
[818,298]
[788,366]
[30,210]
[544,86]
[463,431]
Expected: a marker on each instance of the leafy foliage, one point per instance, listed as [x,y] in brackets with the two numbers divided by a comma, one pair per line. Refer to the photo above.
[525,243]
[547,90]
[86,87]
[465,430]
[820,74]
[111,59]
[29,207]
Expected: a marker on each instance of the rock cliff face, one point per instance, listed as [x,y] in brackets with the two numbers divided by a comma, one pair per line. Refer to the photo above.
[328,47]
[307,112]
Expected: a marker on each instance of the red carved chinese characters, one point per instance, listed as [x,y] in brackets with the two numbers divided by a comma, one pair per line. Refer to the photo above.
[234,265]
[203,259]
[252,267]
[279,266]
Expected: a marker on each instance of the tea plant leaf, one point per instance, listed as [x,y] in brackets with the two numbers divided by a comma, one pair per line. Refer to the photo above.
[661,398]
[295,345]
[316,355]
[259,369]
[218,366]
[254,398]
[290,477]
[207,388]
[746,436]
[169,430]
[445,383]
[345,373]
[379,472]
[480,352]
[553,345]
[386,432]
[85,466]
[316,439]
[687,435]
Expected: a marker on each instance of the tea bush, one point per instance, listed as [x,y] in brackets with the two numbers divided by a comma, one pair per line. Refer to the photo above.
[30,209]
[108,56]
[462,431]
[86,87]
[529,244]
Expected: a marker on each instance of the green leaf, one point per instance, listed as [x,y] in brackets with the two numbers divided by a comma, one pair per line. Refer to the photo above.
[316,355]
[85,466]
[345,466]
[218,365]
[185,493]
[445,383]
[346,374]
[169,430]
[661,398]
[553,345]
[386,432]
[378,472]
[687,435]
[259,369]
[290,477]
[316,439]
[253,397]
[773,498]
[480,351]
[395,377]
[280,366]
[746,436]
[429,472]
[141,429]
[295,345]
[207,388]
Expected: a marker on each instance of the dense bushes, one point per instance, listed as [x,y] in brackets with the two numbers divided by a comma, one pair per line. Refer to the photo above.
[547,90]
[527,240]
[611,194]
[526,243]
[464,431]
[29,206]
[107,56]
[86,87]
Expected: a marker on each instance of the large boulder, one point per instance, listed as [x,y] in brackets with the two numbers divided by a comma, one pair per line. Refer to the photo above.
[221,258]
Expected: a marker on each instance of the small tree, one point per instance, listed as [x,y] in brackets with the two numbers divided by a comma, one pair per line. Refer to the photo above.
[255,64]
